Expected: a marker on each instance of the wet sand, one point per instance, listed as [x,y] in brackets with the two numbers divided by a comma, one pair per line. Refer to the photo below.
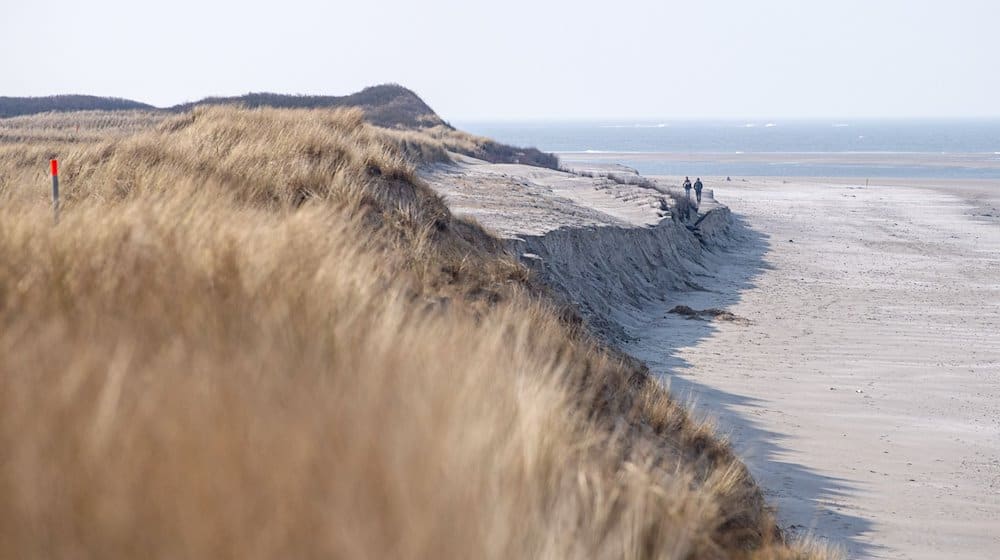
[864,393]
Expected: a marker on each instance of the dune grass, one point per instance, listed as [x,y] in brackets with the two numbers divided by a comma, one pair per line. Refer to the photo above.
[81,126]
[257,334]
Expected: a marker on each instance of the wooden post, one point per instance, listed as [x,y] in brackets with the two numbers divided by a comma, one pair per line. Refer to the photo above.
[55,190]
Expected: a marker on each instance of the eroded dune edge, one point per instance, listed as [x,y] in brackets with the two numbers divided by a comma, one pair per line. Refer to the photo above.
[261,333]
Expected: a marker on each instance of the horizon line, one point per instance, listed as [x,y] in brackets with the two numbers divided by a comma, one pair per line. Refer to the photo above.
[703,118]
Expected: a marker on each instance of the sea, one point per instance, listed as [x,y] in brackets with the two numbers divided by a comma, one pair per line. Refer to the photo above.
[948,149]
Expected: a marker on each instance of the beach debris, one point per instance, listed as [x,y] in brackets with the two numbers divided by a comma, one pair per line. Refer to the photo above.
[709,314]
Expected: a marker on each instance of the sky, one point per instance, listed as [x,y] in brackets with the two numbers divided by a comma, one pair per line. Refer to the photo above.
[525,60]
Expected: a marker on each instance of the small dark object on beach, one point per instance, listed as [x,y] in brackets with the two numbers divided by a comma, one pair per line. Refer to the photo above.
[714,313]
[684,310]
[723,315]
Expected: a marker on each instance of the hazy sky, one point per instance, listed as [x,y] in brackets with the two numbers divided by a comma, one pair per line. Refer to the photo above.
[520,59]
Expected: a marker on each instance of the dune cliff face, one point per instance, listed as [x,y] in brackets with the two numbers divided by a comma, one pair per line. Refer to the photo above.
[612,248]
[614,274]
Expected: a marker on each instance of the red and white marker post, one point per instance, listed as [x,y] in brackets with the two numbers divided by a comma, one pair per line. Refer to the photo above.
[55,189]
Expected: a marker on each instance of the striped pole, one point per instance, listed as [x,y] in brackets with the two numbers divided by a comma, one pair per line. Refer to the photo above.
[55,189]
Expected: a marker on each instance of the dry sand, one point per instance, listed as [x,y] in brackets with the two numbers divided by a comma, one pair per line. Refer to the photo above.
[865,392]
[860,379]
[516,200]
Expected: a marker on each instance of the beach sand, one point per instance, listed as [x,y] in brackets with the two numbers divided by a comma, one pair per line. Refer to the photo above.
[859,375]
[864,393]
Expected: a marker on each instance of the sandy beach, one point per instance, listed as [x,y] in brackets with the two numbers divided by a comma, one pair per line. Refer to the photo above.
[859,373]
[864,392]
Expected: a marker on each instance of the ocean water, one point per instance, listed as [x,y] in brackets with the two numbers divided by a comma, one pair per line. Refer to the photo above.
[968,149]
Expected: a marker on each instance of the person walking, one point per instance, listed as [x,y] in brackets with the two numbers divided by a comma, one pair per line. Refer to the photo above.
[687,187]
[697,189]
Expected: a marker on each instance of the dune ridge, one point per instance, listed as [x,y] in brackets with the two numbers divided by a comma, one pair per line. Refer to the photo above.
[259,332]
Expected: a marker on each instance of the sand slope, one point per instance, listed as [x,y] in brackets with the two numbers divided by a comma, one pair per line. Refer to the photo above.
[611,249]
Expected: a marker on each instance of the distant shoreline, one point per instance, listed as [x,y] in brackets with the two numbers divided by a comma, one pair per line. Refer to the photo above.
[927,159]
[882,166]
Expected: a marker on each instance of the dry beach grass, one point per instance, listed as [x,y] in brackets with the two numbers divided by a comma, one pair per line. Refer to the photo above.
[257,334]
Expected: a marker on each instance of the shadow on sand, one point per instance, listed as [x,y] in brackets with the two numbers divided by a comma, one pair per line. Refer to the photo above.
[807,501]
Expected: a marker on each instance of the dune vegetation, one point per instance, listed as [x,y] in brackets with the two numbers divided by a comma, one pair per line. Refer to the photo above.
[391,107]
[258,334]
[17,106]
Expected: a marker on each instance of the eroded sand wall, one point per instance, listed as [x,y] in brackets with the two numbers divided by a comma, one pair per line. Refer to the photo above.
[615,275]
